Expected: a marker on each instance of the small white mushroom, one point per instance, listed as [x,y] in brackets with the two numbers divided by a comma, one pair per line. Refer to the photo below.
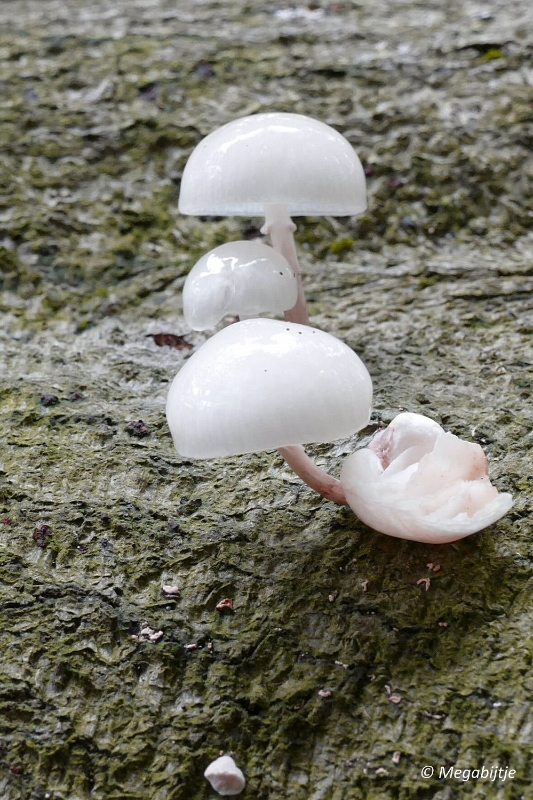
[225,776]
[276,165]
[242,278]
[262,384]
[415,481]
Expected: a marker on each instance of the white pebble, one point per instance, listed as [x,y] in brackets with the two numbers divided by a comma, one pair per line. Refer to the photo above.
[225,776]
[169,589]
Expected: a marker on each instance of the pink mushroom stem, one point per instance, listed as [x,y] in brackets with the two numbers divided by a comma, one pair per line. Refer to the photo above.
[280,227]
[312,475]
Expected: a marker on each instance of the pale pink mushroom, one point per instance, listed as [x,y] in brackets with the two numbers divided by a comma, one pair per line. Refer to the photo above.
[415,481]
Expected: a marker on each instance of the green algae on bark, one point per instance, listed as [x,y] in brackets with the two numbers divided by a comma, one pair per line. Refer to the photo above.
[344,647]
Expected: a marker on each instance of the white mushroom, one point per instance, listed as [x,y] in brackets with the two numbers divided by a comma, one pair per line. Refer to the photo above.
[225,776]
[415,481]
[276,165]
[242,278]
[262,384]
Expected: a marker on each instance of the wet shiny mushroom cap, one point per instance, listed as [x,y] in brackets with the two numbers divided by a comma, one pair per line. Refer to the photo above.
[245,278]
[273,158]
[261,384]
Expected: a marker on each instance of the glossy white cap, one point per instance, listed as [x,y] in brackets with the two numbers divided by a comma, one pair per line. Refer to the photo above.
[279,158]
[262,384]
[242,278]
[415,481]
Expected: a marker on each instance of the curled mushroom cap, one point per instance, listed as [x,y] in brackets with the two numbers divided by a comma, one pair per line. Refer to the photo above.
[243,278]
[262,384]
[273,158]
[415,481]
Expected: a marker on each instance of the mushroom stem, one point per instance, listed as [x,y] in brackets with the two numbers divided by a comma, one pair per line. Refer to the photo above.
[280,228]
[312,475]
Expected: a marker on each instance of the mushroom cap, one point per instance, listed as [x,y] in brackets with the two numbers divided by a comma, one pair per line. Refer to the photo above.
[243,278]
[280,158]
[261,384]
[415,481]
